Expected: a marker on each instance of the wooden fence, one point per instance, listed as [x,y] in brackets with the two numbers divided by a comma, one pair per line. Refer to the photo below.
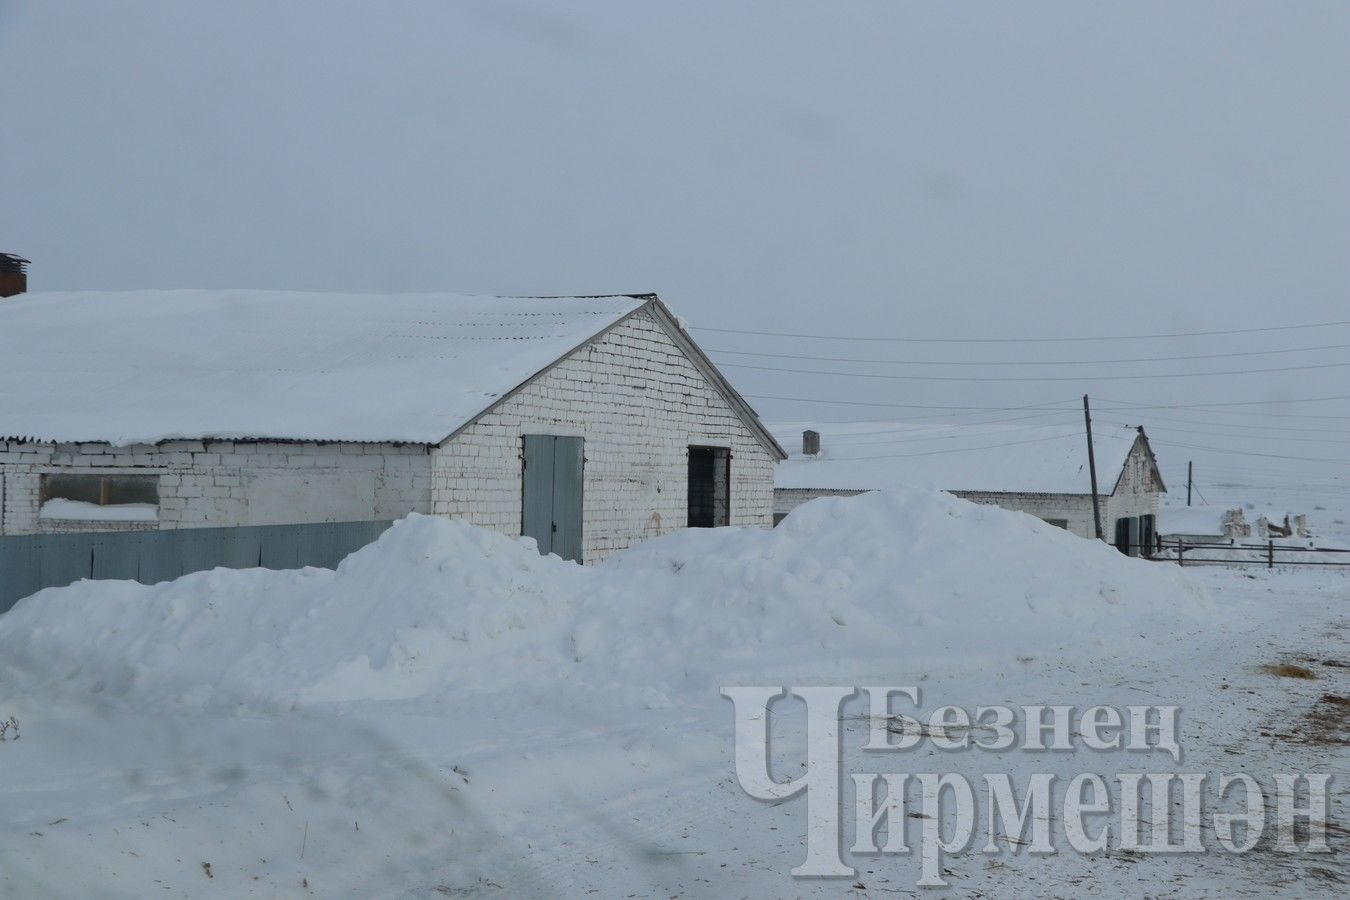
[1267,554]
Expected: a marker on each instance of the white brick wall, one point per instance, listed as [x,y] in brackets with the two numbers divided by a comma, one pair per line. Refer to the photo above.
[1137,494]
[1074,509]
[639,403]
[633,395]
[227,483]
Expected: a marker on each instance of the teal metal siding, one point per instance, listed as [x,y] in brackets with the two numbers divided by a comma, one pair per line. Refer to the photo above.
[29,563]
[536,511]
[568,462]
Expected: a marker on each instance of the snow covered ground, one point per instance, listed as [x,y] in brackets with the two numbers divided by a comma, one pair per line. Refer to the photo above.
[449,713]
[1327,509]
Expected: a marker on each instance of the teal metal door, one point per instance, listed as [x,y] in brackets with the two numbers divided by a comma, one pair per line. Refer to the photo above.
[536,512]
[551,493]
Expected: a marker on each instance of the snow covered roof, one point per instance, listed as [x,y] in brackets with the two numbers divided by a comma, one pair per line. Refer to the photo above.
[144,366]
[995,458]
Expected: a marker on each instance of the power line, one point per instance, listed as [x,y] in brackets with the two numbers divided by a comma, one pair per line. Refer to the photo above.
[1277,429]
[1216,407]
[1041,340]
[928,438]
[847,438]
[946,450]
[1025,362]
[1339,462]
[1076,378]
[1207,470]
[970,409]
[1129,406]
[1144,406]
[1167,429]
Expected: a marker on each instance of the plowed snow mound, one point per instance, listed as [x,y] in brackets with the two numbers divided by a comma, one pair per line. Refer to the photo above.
[845,588]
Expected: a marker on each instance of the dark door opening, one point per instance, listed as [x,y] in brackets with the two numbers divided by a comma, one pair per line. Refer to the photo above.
[709,487]
[1127,535]
[1147,535]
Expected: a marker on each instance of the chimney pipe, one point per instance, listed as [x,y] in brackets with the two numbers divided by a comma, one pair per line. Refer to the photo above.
[13,275]
[810,443]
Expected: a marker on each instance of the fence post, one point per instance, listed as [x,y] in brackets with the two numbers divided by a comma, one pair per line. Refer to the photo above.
[1181,548]
[1270,553]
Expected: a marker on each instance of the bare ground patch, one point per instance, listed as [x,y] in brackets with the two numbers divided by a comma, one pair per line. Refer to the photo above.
[1290,670]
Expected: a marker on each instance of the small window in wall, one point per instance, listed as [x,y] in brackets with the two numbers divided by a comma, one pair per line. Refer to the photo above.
[1058,523]
[709,487]
[113,498]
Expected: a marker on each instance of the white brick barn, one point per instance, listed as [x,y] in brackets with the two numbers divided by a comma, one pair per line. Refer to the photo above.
[1039,470]
[588,423]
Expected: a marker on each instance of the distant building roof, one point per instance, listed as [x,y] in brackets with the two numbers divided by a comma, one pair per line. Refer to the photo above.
[145,366]
[989,458]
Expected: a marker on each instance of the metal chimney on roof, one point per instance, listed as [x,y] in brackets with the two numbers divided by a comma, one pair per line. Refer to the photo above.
[13,275]
[810,443]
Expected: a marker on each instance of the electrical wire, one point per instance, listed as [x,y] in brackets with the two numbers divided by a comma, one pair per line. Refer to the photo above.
[1077,378]
[1040,340]
[1169,429]
[1130,406]
[1166,443]
[1024,362]
[970,409]
[1040,440]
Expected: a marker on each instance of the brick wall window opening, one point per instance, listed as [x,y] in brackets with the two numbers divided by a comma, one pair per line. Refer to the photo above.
[709,487]
[1058,523]
[99,496]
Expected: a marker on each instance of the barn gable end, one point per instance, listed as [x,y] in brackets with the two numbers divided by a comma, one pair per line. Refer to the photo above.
[639,401]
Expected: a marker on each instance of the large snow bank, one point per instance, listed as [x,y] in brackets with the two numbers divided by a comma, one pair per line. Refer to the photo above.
[845,588]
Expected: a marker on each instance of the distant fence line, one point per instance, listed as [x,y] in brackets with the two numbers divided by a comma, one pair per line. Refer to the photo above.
[31,562]
[1267,554]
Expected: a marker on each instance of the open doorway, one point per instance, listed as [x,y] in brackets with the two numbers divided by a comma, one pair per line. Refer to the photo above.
[709,487]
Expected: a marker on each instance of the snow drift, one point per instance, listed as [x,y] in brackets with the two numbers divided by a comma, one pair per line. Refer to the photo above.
[846,588]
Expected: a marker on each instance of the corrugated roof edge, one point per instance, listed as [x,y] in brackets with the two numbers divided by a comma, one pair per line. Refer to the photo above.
[213,439]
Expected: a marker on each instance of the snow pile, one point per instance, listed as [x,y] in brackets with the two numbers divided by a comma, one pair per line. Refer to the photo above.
[439,610]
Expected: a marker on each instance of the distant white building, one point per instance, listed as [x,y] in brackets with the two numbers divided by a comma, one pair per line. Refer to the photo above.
[588,423]
[1038,470]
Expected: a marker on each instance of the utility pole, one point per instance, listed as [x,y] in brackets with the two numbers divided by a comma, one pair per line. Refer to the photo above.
[1189,481]
[1092,470]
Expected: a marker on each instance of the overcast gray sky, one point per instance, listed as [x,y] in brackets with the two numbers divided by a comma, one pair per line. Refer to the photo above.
[879,169]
